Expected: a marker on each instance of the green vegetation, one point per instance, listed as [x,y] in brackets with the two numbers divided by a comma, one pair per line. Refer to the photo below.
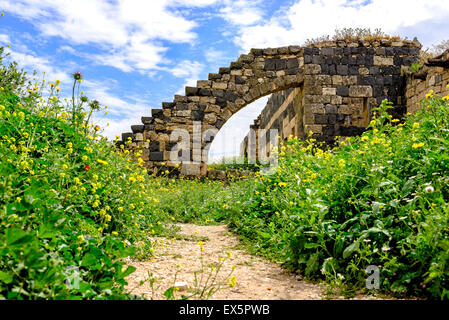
[380,199]
[72,206]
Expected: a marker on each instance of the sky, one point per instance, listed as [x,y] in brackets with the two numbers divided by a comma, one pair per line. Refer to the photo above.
[136,54]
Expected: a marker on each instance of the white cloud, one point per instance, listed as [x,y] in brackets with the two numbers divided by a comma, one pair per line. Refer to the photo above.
[41,65]
[241,12]
[215,56]
[4,39]
[308,19]
[190,70]
[127,32]
[121,113]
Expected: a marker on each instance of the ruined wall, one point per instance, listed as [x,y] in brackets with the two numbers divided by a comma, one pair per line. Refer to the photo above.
[278,114]
[342,83]
[339,83]
[434,75]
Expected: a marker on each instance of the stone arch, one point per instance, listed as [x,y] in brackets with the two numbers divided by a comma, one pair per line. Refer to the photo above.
[337,80]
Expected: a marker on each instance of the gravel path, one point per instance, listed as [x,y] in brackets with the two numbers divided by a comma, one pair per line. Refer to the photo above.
[255,277]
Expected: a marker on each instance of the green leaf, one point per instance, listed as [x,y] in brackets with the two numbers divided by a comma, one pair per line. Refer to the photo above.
[5,277]
[265,235]
[350,249]
[311,245]
[127,272]
[90,260]
[313,264]
[17,237]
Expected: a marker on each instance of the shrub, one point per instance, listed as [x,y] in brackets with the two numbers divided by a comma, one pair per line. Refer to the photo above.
[381,199]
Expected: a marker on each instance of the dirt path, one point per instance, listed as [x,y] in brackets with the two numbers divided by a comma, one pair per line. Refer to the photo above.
[255,278]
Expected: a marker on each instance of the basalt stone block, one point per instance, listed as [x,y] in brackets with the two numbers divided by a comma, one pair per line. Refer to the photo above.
[230,96]
[327,51]
[154,146]
[352,61]
[205,92]
[239,80]
[342,70]
[318,59]
[149,127]
[343,91]
[374,70]
[378,91]
[379,80]
[388,80]
[156,113]
[328,131]
[389,51]
[191,91]
[214,76]
[360,60]
[392,92]
[224,70]
[292,71]
[332,118]
[217,93]
[307,59]
[197,115]
[332,70]
[321,118]
[331,109]
[369,60]
[397,61]
[221,101]
[281,64]
[292,63]
[270,64]
[343,60]
[236,65]
[156,156]
[138,128]
[355,50]
[311,51]
[257,52]
[366,81]
[407,61]
[351,131]
[338,51]
[168,105]
[146,120]
[182,106]
[218,125]
[353,70]
[325,69]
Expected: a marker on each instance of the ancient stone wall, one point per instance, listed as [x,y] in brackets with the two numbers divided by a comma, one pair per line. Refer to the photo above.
[339,82]
[434,75]
[279,114]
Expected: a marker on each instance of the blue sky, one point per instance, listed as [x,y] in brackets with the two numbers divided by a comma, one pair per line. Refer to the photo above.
[136,54]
